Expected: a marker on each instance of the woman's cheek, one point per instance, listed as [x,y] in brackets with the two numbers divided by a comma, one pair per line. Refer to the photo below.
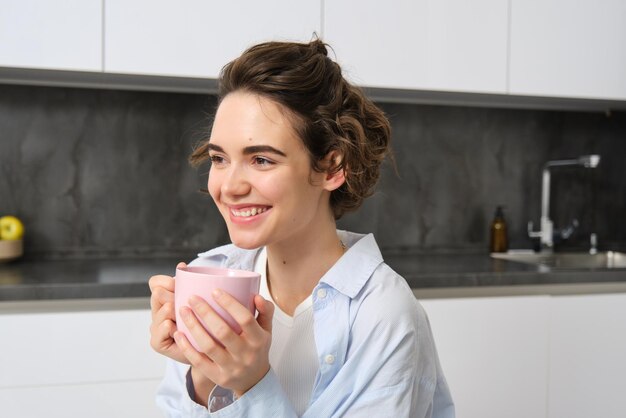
[213,185]
[272,186]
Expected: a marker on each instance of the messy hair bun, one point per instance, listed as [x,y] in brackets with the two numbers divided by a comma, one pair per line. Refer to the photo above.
[329,113]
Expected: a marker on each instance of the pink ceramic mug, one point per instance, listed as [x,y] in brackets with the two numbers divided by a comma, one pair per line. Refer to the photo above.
[201,281]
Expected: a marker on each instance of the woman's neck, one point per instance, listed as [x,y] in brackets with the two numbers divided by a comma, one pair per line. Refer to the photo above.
[294,269]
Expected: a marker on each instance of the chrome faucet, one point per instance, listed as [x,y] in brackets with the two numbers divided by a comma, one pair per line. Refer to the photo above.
[546,233]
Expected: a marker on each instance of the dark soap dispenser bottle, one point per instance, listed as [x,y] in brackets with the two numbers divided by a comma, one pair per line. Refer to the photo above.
[499,239]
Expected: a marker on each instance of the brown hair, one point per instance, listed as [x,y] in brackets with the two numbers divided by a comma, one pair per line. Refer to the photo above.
[329,113]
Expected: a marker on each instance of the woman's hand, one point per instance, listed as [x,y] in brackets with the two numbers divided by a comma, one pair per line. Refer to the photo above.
[243,359]
[164,317]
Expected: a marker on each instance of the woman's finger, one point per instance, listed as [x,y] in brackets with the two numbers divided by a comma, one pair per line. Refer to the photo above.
[162,335]
[195,358]
[204,340]
[161,280]
[162,327]
[162,289]
[165,313]
[160,296]
[240,313]
[216,325]
[266,312]
[162,341]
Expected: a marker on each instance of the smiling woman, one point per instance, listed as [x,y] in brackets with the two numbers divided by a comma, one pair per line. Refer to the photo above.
[292,148]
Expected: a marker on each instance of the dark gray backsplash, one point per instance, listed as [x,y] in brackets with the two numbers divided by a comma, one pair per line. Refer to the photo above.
[456,164]
[104,173]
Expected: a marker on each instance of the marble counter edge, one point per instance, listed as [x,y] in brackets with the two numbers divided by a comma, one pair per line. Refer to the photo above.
[74,305]
[143,303]
[547,289]
[475,281]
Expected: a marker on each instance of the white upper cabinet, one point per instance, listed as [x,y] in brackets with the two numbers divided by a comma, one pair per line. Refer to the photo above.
[63,35]
[544,48]
[196,38]
[568,49]
[451,45]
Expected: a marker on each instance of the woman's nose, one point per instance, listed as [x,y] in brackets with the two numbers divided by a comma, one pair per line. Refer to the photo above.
[235,182]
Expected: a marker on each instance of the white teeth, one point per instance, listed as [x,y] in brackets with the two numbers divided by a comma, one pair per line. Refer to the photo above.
[248,213]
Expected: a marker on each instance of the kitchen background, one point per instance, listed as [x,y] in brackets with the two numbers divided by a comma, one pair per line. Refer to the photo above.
[101,102]
[100,173]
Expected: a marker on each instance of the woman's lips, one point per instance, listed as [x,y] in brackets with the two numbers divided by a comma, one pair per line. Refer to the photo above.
[246,214]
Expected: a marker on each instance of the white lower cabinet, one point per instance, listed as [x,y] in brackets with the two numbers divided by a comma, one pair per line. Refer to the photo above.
[514,357]
[78,364]
[494,353]
[134,399]
[535,356]
[588,356]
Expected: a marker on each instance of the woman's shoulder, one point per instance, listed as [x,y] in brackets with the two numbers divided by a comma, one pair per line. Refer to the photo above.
[385,281]
[388,295]
[387,308]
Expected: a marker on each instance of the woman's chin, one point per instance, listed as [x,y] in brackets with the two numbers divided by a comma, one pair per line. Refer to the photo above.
[245,244]
[246,247]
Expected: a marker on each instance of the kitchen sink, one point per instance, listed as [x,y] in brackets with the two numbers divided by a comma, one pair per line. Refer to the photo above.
[564,261]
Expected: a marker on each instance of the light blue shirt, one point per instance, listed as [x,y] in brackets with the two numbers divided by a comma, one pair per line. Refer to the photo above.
[377,357]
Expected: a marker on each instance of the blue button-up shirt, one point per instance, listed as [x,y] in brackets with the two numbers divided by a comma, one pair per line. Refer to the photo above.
[375,348]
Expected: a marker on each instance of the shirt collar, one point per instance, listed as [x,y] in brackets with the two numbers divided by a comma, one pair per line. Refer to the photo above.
[232,256]
[354,269]
[347,276]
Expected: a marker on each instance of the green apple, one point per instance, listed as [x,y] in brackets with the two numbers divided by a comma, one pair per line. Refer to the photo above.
[11,228]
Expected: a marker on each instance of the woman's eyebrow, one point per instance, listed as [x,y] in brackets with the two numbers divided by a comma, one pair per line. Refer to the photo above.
[213,147]
[252,149]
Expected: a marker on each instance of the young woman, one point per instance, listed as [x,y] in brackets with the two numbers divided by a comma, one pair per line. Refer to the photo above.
[338,333]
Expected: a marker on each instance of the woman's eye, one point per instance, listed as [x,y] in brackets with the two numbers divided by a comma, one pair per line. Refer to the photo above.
[216,159]
[262,161]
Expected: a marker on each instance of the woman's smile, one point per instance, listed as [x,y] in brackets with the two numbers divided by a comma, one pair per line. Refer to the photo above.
[247,214]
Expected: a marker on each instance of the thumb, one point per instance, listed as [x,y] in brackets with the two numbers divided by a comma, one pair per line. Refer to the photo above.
[266,312]
[181,265]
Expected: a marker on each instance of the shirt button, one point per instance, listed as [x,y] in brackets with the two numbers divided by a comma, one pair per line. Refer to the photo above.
[321,293]
[329,359]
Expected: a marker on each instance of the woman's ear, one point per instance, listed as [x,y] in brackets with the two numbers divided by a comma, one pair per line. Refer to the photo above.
[334,177]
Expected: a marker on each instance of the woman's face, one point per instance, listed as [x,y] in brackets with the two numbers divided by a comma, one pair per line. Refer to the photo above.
[261,178]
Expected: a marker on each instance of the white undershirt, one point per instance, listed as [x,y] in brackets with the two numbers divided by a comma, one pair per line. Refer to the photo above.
[293,354]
